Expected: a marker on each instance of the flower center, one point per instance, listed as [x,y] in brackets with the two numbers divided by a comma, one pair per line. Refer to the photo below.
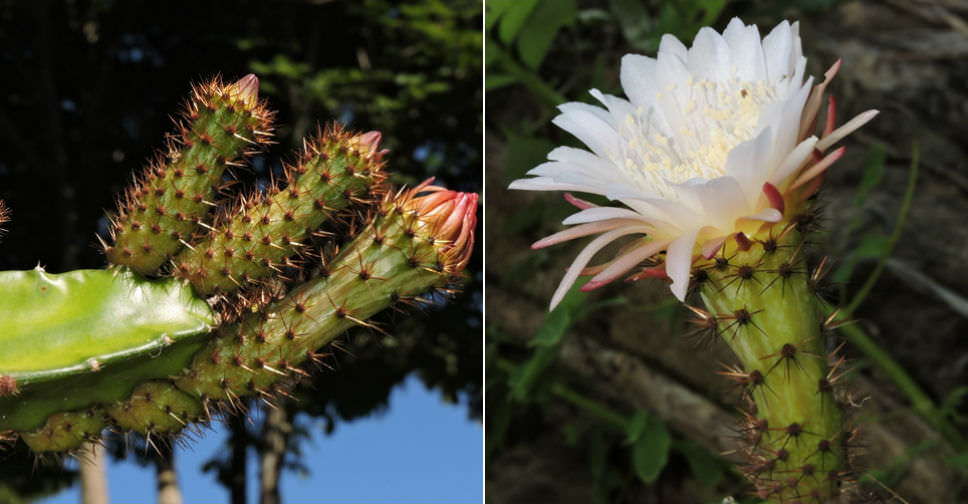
[690,131]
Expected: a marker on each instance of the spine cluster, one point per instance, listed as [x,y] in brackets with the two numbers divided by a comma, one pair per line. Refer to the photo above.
[760,299]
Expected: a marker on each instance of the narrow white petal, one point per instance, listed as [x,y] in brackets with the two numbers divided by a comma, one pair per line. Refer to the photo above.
[848,128]
[625,262]
[580,231]
[793,161]
[544,184]
[598,214]
[679,262]
[586,255]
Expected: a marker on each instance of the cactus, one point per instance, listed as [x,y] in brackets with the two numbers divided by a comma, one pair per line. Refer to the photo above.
[220,126]
[90,349]
[761,301]
[717,159]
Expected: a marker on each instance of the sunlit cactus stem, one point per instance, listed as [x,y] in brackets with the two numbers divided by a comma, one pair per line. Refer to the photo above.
[254,239]
[418,243]
[221,125]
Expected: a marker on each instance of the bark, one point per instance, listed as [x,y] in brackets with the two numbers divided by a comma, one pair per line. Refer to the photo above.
[94,479]
[168,491]
[275,438]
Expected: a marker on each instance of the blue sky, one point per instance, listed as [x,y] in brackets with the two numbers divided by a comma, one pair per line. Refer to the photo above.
[420,450]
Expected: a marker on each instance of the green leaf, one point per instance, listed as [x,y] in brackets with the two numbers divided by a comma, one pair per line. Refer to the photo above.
[526,378]
[493,9]
[541,28]
[873,173]
[560,319]
[651,452]
[634,21]
[514,18]
[873,246]
[704,466]
[636,426]
[524,153]
[494,81]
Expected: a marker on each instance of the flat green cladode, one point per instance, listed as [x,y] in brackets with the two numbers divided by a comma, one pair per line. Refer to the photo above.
[75,339]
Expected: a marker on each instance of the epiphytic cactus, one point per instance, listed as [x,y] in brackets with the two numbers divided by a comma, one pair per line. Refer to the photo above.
[139,346]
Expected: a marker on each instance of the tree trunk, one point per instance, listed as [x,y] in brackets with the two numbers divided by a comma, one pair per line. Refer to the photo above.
[275,436]
[94,479]
[168,491]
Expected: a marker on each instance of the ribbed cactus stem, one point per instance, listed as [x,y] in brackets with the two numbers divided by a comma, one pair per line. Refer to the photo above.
[418,243]
[159,213]
[256,238]
[762,299]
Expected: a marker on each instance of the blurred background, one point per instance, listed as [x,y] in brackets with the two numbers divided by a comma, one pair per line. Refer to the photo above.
[605,400]
[87,94]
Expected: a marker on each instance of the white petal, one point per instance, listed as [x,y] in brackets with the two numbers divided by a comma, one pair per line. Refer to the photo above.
[709,56]
[723,201]
[777,48]
[679,262]
[671,46]
[747,50]
[788,127]
[590,127]
[638,79]
[748,163]
[619,109]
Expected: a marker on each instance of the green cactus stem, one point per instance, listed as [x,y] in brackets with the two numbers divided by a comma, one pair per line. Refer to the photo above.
[252,241]
[66,431]
[761,300]
[418,242]
[222,124]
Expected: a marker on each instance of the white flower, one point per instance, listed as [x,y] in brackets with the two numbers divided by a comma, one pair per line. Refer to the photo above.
[711,141]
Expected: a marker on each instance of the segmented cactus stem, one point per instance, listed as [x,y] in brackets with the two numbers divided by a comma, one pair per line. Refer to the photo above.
[221,125]
[258,235]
